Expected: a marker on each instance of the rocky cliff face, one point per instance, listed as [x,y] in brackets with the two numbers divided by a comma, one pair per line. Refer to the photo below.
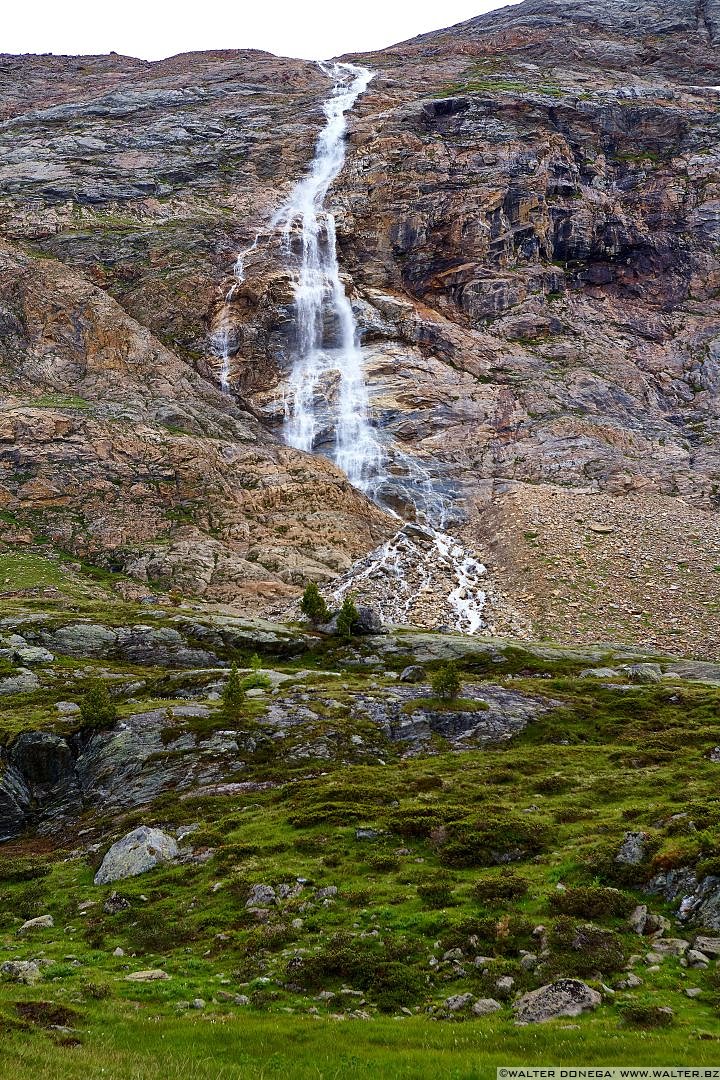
[528,224]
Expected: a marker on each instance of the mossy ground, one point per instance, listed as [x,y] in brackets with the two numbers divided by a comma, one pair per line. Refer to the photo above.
[612,758]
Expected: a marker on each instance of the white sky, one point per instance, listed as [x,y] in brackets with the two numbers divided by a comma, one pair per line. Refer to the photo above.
[152,29]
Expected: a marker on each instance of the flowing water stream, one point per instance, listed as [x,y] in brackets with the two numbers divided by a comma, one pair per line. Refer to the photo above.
[326,405]
[327,346]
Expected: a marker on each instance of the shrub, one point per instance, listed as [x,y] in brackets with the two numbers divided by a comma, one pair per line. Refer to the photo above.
[384,863]
[647,1016]
[505,886]
[491,841]
[505,936]
[22,869]
[313,606]
[422,821]
[256,680]
[97,708]
[347,619]
[233,695]
[592,902]
[381,968]
[436,892]
[583,949]
[445,682]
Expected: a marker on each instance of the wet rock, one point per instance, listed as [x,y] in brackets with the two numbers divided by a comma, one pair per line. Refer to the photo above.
[369,620]
[141,850]
[565,997]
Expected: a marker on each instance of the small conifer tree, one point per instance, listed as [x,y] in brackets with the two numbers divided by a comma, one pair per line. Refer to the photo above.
[446,682]
[313,606]
[347,618]
[233,695]
[97,708]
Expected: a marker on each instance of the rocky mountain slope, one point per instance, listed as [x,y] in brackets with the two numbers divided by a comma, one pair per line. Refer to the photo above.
[527,223]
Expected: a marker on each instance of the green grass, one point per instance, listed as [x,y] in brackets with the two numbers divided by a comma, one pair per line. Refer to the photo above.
[559,797]
[137,1043]
[59,401]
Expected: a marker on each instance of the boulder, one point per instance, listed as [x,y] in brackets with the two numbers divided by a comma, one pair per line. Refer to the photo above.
[708,945]
[459,1002]
[23,682]
[412,674]
[696,959]
[566,997]
[42,922]
[150,975]
[645,673]
[141,850]
[632,849]
[504,986]
[21,971]
[34,654]
[261,896]
[369,620]
[485,1006]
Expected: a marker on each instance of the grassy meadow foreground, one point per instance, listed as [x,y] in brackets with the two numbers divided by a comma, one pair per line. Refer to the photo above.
[360,863]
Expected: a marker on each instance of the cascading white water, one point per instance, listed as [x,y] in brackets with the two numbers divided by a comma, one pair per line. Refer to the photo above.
[327,383]
[326,397]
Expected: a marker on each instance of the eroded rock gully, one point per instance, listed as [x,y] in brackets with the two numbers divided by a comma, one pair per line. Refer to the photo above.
[527,227]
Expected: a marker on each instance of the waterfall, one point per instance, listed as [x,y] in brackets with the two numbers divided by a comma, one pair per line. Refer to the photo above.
[326,407]
[327,386]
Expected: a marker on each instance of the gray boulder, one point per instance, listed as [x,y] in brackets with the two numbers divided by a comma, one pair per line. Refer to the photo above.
[708,945]
[632,849]
[485,1006]
[459,1002]
[23,682]
[566,997]
[141,850]
[261,896]
[369,620]
[42,922]
[645,673]
[21,971]
[34,654]
[412,674]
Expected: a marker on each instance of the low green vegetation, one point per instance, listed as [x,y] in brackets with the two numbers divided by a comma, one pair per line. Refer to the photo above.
[384,871]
